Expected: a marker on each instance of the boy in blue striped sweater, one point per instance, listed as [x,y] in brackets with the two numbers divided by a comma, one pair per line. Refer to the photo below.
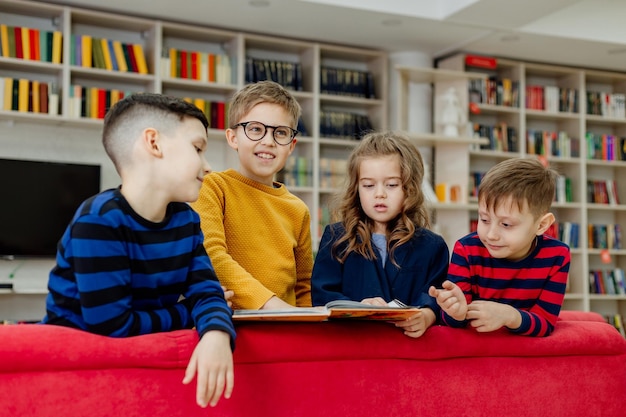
[132,260]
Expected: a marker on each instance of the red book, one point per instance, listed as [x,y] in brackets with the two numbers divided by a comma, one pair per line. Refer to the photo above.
[221,117]
[480,61]
[35,52]
[194,66]
[131,57]
[19,51]
[183,64]
[102,103]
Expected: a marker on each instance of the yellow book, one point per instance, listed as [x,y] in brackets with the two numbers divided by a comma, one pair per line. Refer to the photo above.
[57,46]
[8,93]
[4,38]
[199,103]
[108,64]
[140,58]
[22,95]
[86,45]
[93,102]
[173,72]
[119,55]
[26,43]
[36,98]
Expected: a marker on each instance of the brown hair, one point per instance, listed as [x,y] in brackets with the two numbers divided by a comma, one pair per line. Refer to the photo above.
[262,92]
[359,227]
[524,180]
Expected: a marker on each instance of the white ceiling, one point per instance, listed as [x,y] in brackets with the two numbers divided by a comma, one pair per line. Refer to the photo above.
[587,33]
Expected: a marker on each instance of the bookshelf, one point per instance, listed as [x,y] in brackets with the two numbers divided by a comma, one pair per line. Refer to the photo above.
[72,135]
[451,155]
[538,110]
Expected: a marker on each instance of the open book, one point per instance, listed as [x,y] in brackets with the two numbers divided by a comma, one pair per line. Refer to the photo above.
[338,309]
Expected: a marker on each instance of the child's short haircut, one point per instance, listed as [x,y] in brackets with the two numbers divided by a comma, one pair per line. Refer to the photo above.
[263,92]
[524,180]
[129,116]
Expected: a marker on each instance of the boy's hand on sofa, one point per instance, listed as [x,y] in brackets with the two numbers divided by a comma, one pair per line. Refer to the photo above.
[212,361]
[488,316]
[451,300]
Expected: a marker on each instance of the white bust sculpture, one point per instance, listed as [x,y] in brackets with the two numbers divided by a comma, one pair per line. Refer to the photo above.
[452,115]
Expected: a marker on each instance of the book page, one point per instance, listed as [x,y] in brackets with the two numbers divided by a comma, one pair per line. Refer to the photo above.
[287,314]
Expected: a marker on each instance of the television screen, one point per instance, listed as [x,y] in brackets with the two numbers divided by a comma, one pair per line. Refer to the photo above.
[38,201]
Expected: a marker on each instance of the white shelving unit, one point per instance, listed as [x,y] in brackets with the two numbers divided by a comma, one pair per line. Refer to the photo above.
[69,139]
[451,155]
[576,123]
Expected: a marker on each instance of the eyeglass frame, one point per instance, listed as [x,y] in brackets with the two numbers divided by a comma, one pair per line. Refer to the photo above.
[294,132]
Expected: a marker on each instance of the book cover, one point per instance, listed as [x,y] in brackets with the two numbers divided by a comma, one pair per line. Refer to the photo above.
[87,51]
[130,61]
[183,64]
[93,103]
[44,50]
[8,94]
[130,56]
[98,54]
[106,54]
[334,310]
[195,61]
[36,101]
[22,100]
[35,49]
[26,43]
[57,46]
[43,97]
[112,55]
[4,39]
[211,66]
[19,46]
[119,56]
[173,61]
[102,103]
[140,59]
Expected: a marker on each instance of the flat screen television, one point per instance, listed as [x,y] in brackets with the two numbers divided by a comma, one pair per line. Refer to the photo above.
[37,202]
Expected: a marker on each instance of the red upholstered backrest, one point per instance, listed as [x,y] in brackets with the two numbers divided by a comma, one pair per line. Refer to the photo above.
[41,347]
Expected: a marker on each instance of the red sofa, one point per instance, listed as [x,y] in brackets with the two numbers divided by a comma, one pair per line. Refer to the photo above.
[343,369]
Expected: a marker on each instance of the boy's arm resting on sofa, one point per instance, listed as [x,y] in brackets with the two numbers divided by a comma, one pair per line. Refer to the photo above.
[212,362]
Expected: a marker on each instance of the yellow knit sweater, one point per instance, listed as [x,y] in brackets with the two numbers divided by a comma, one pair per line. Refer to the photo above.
[258,239]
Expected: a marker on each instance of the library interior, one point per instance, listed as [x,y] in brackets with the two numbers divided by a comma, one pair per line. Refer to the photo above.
[471,82]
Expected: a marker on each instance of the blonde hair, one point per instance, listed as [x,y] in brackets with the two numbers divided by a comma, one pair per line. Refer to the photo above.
[262,92]
[524,181]
[358,226]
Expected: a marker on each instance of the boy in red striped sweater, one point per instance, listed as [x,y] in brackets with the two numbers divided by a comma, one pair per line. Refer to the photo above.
[508,274]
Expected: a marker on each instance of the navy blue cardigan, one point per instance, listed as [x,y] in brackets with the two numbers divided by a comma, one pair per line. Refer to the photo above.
[423,260]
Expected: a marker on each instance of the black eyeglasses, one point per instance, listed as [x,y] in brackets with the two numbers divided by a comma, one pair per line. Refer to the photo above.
[255,131]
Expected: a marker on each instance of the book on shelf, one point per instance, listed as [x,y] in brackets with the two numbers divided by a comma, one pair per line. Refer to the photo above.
[334,310]
[617,321]
[607,281]
[478,61]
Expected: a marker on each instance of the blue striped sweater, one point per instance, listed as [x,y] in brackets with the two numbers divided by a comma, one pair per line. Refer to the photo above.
[118,274]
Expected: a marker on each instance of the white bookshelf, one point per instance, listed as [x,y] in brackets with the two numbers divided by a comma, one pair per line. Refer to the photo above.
[576,123]
[65,138]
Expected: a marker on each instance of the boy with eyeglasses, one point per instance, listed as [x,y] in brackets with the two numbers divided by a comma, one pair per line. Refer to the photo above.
[258,234]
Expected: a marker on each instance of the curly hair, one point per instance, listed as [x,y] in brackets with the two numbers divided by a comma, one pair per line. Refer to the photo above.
[358,226]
